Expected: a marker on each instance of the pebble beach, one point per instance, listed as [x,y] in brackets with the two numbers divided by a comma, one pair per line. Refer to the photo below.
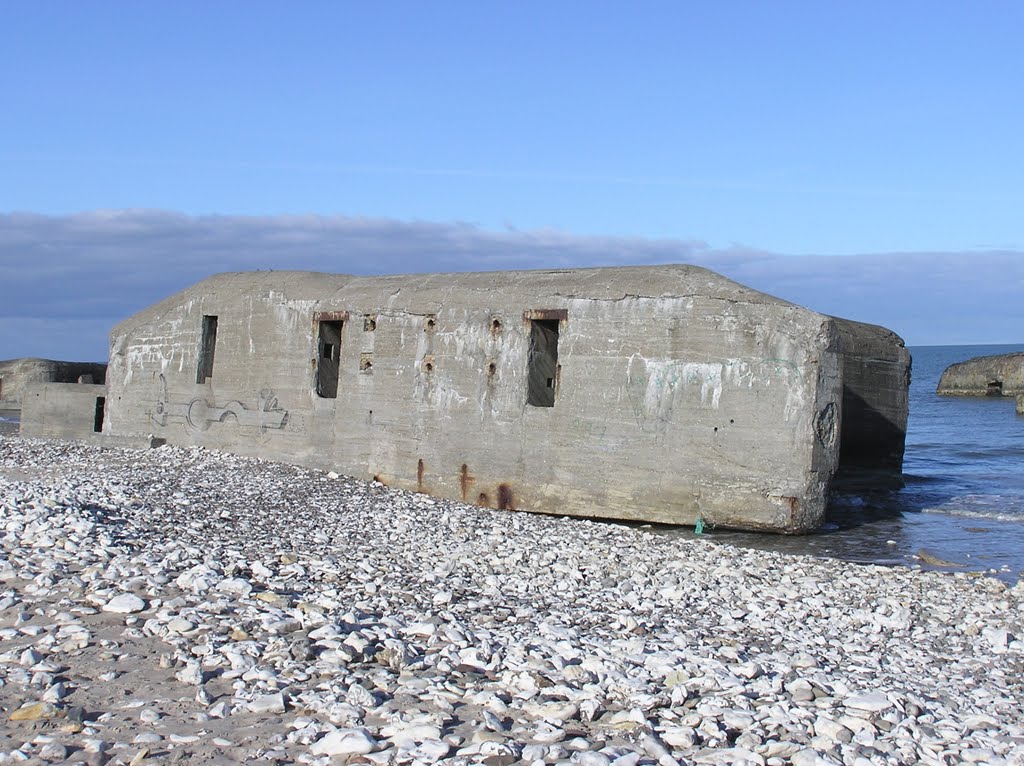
[180,605]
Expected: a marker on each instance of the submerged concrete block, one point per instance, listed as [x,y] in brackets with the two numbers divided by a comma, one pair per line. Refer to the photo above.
[665,393]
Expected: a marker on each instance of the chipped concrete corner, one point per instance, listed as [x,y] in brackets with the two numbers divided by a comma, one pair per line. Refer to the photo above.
[663,394]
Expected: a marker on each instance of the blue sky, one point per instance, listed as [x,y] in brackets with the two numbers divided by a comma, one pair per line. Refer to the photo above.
[885,134]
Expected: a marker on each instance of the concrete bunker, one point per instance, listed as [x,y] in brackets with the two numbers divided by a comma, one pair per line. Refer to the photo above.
[991,375]
[667,393]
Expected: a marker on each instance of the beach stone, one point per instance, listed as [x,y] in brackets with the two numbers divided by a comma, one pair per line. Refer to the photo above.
[430,751]
[630,759]
[267,703]
[55,693]
[782,749]
[749,670]
[592,758]
[800,690]
[727,757]
[272,598]
[809,757]
[95,745]
[410,734]
[358,695]
[180,625]
[191,674]
[235,586]
[554,712]
[871,702]
[53,751]
[124,603]
[679,737]
[345,742]
[833,730]
[978,755]
[35,711]
[737,721]
[997,638]
[149,715]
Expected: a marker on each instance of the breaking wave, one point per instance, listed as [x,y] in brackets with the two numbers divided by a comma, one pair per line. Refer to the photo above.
[968,514]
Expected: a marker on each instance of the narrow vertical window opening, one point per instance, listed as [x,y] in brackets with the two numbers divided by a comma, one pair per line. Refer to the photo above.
[101,406]
[207,344]
[542,377]
[328,358]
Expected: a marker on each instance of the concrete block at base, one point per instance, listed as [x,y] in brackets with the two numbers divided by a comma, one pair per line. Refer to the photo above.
[63,410]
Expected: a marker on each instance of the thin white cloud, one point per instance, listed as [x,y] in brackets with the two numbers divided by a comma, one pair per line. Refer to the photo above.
[68,279]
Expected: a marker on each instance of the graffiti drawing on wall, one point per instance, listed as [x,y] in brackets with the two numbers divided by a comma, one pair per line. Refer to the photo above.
[199,414]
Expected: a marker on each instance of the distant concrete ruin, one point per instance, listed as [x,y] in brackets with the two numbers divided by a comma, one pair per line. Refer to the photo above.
[662,394]
[995,375]
[16,375]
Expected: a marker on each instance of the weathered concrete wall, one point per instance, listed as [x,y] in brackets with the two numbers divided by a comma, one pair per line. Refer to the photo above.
[997,375]
[876,383]
[17,374]
[678,394]
[62,410]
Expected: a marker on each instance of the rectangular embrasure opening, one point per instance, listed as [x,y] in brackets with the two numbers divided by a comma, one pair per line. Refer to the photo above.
[328,358]
[542,374]
[207,344]
[97,422]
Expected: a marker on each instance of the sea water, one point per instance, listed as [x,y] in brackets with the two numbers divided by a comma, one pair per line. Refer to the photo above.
[963,499]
